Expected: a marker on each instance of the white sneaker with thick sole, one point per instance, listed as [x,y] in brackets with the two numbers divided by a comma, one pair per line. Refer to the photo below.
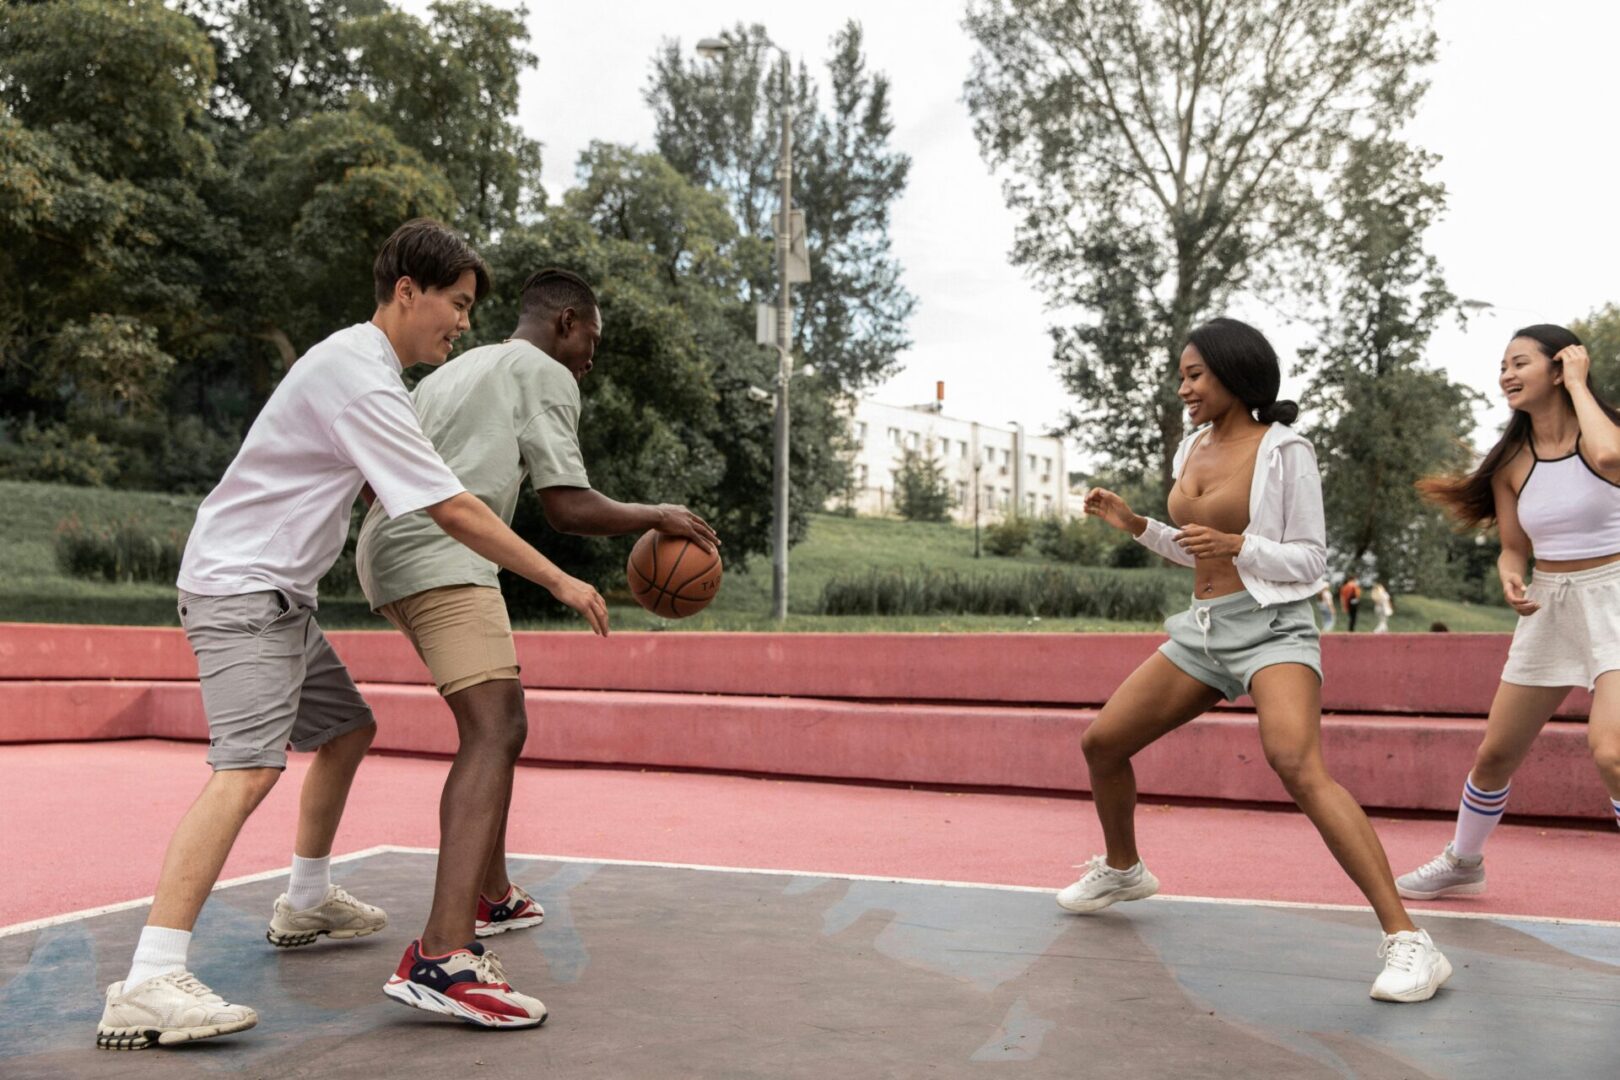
[1102,886]
[338,916]
[167,1009]
[1413,968]
[1447,874]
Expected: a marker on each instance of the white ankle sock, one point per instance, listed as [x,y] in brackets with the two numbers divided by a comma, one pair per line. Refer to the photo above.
[1476,817]
[310,880]
[160,951]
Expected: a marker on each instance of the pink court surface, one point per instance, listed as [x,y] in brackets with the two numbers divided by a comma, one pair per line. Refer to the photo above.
[868,907]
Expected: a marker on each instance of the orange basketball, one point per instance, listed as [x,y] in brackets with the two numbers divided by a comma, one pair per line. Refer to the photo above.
[671,576]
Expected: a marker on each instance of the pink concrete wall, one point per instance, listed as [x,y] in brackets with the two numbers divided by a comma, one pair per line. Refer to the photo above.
[1385,761]
[1427,674]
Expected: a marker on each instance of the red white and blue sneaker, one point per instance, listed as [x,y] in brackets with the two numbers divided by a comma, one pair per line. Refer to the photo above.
[467,984]
[513,911]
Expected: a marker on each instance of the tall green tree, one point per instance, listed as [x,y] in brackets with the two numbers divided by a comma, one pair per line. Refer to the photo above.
[1162,157]
[921,491]
[1383,417]
[667,416]
[719,124]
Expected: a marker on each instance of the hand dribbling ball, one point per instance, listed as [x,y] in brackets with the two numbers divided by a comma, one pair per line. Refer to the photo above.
[671,576]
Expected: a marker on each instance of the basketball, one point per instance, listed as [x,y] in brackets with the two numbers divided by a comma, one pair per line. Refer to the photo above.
[671,576]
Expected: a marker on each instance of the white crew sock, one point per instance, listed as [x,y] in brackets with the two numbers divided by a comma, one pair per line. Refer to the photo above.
[1476,817]
[160,951]
[1616,804]
[310,880]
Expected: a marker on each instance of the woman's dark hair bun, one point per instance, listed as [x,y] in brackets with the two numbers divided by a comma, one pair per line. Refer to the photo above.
[1278,412]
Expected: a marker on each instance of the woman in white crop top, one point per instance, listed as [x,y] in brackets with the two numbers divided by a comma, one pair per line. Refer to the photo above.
[1552,486]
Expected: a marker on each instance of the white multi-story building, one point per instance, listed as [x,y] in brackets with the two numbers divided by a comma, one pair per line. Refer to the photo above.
[1003,468]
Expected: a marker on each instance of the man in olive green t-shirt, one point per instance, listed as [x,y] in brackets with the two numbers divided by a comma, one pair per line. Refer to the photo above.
[499,415]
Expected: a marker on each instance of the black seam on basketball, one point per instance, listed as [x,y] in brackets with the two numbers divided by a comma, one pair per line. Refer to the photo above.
[686,545]
[651,585]
[681,588]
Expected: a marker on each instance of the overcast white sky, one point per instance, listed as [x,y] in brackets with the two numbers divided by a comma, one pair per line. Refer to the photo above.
[1522,111]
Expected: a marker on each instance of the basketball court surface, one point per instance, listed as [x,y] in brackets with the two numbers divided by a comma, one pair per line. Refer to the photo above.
[652,969]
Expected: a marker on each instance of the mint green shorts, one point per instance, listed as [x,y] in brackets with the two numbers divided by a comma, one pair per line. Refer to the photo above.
[1223,642]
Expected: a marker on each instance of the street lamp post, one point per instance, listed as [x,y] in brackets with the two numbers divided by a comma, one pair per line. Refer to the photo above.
[713,48]
[978,463]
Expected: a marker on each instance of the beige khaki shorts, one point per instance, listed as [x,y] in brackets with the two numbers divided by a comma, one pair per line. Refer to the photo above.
[461,632]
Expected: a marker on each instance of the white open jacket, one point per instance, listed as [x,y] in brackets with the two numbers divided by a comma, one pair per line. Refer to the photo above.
[1284,552]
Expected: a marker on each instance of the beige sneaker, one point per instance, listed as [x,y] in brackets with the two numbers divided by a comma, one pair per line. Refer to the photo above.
[167,1009]
[338,916]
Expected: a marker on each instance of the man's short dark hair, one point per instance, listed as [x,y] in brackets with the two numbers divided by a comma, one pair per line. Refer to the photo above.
[549,291]
[430,254]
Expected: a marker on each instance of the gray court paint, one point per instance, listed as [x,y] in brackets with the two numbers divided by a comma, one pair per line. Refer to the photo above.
[53,995]
[985,937]
[559,940]
[800,885]
[1597,943]
[1019,1038]
[1284,975]
[228,953]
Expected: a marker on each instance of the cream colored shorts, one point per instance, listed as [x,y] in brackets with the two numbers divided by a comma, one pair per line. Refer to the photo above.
[461,632]
[1575,637]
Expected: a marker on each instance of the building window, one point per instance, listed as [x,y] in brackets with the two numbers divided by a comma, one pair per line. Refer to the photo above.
[860,431]
[894,436]
[894,480]
[964,448]
[1046,467]
[1006,498]
[961,492]
[945,447]
[1029,501]
[1031,459]
[862,474]
[1046,504]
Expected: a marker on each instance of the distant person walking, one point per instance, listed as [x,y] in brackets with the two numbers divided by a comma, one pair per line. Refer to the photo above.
[1324,608]
[1382,605]
[1551,485]
[1350,600]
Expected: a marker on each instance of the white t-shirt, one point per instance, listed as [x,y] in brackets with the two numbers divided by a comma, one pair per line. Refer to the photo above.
[278,518]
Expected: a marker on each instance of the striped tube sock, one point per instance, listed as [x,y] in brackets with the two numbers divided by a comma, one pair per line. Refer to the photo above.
[1476,817]
[1616,804]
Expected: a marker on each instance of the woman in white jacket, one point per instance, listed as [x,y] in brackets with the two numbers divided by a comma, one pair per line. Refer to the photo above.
[1247,503]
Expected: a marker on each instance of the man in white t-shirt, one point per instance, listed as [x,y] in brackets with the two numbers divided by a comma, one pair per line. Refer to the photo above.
[264,537]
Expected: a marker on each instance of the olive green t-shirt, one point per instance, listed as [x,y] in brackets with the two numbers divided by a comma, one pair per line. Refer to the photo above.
[496,414]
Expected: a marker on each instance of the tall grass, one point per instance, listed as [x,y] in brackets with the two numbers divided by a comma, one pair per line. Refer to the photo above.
[127,550]
[1050,593]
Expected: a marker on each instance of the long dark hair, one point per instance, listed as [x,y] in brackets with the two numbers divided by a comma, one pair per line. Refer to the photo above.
[1468,497]
[1246,364]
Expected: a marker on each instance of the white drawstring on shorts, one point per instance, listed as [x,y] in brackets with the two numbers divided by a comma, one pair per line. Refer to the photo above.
[1203,616]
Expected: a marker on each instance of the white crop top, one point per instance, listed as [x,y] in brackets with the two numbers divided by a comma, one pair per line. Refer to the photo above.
[1568,510]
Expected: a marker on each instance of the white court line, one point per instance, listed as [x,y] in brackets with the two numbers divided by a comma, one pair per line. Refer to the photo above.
[108,909]
[396,849]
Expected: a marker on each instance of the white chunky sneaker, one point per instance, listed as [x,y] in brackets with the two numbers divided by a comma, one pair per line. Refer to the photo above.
[1413,968]
[338,916]
[1447,874]
[1102,885]
[167,1009]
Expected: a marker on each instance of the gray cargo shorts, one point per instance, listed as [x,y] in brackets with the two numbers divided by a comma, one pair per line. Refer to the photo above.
[269,679]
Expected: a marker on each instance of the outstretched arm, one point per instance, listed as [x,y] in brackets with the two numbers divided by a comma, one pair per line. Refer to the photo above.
[467,519]
[587,512]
